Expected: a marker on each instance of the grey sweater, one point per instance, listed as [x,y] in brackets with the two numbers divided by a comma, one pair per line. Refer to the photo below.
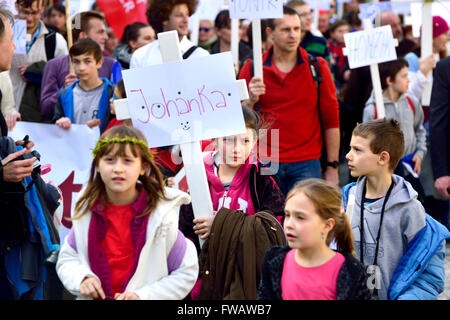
[403,217]
[411,124]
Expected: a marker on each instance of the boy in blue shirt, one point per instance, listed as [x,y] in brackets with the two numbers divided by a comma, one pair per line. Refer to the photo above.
[87,100]
[402,247]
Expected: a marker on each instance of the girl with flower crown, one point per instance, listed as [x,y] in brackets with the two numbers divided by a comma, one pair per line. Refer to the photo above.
[124,243]
[308,269]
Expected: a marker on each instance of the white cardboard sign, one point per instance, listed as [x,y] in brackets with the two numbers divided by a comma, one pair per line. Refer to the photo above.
[185,101]
[255,9]
[371,46]
[20,36]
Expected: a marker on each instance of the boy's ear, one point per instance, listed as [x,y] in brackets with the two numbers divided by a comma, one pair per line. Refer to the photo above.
[389,81]
[384,158]
[100,63]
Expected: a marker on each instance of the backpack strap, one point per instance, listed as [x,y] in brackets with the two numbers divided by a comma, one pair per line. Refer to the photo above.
[315,70]
[189,52]
[50,45]
[411,104]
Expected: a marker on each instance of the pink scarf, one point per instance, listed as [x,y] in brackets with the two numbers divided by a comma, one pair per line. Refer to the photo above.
[238,196]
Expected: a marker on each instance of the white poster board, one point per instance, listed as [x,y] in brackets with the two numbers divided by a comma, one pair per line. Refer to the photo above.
[370,46]
[20,36]
[185,101]
[69,152]
[255,9]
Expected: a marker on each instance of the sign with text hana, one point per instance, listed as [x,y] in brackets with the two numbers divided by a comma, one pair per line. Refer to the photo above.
[371,46]
[256,9]
[20,36]
[69,152]
[185,101]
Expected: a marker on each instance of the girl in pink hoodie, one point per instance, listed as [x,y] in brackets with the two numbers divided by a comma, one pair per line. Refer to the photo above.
[237,180]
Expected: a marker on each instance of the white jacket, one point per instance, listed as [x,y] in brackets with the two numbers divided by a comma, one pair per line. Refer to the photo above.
[151,280]
[36,53]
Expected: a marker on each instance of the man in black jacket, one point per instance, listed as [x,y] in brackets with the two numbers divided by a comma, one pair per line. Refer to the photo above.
[440,134]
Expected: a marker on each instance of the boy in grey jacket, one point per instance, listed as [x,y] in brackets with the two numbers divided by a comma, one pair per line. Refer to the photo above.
[403,108]
[383,208]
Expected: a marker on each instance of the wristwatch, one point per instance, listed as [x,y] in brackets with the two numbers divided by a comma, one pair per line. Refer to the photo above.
[333,164]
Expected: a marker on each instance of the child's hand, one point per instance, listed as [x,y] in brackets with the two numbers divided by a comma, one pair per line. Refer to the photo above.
[70,79]
[112,109]
[64,123]
[93,123]
[203,226]
[170,182]
[91,287]
[11,120]
[417,164]
[126,296]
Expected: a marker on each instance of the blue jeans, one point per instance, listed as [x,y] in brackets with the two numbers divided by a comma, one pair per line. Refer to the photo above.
[290,173]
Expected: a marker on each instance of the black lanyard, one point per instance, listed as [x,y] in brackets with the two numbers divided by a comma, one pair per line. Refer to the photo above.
[363,198]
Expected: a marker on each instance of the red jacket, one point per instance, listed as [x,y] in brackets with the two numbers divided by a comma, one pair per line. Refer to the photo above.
[291,107]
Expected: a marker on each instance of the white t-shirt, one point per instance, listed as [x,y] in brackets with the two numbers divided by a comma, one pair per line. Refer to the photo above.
[150,54]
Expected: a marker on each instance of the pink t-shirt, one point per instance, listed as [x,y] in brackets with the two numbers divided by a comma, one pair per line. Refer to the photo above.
[316,283]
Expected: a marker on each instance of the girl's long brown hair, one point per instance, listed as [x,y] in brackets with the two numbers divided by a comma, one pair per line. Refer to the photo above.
[327,201]
[151,182]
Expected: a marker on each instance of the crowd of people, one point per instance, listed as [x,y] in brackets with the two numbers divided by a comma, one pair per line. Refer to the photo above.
[343,206]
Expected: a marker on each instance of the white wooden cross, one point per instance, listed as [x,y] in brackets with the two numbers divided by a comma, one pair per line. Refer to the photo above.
[191,151]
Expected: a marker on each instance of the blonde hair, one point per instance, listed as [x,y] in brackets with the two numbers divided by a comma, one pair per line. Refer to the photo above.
[327,202]
[152,183]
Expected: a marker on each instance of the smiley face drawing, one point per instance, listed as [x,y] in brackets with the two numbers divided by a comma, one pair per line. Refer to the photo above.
[185,126]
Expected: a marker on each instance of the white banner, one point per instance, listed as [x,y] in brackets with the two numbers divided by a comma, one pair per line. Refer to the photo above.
[69,152]
[185,101]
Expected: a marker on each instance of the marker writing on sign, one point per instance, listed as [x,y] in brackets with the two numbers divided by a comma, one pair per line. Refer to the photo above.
[166,107]
[253,5]
[365,47]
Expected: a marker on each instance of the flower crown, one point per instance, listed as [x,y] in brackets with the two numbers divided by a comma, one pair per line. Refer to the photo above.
[103,142]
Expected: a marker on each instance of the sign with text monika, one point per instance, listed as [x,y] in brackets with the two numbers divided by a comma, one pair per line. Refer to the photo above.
[185,101]
[256,9]
[370,46]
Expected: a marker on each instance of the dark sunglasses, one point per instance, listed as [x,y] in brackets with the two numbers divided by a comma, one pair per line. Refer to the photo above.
[205,29]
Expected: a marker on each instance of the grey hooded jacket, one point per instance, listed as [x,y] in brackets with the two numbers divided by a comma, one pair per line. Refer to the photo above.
[411,123]
[403,217]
